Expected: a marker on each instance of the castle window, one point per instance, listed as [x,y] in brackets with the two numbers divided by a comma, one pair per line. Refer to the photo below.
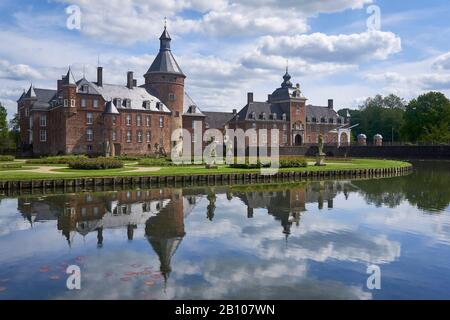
[85,88]
[128,120]
[128,136]
[72,103]
[158,106]
[177,114]
[118,102]
[147,105]
[114,136]
[285,139]
[161,122]
[114,120]
[128,103]
[83,103]
[172,97]
[138,120]
[264,139]
[89,135]
[66,104]
[264,116]
[95,103]
[148,121]
[322,120]
[149,136]
[339,121]
[274,116]
[43,135]
[43,120]
[274,139]
[284,117]
[314,120]
[89,118]
[139,136]
[284,127]
[331,120]
[298,110]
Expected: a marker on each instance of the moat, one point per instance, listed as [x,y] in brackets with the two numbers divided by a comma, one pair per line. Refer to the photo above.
[281,241]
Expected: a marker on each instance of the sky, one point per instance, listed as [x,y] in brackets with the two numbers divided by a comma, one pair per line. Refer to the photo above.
[334,48]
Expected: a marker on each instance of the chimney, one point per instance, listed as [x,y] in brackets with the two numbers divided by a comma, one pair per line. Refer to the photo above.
[249,97]
[269,98]
[330,103]
[100,76]
[59,85]
[130,80]
[134,83]
[234,112]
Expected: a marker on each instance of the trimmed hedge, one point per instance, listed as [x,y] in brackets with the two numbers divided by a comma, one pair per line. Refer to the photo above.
[95,164]
[155,162]
[56,160]
[7,158]
[11,166]
[284,163]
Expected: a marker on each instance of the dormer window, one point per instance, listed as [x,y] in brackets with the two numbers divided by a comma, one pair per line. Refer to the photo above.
[322,120]
[284,117]
[85,88]
[147,105]
[158,106]
[192,109]
[263,116]
[127,103]
[118,102]
[331,120]
[314,120]
[274,116]
[253,115]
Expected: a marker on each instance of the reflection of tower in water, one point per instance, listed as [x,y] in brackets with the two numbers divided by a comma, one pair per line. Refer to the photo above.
[165,231]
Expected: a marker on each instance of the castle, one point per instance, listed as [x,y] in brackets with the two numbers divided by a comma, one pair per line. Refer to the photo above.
[97,118]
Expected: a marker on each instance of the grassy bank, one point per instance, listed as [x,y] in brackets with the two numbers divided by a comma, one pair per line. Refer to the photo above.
[130,170]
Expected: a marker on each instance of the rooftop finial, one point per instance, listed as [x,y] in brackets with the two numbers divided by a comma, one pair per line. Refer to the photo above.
[287,65]
[165,22]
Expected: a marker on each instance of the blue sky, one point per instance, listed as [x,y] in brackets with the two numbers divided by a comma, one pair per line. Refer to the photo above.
[229,47]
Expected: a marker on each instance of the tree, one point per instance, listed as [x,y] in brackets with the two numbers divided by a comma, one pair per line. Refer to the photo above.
[383,115]
[7,141]
[427,119]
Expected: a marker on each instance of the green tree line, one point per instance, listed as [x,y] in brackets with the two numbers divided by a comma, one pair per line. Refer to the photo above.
[425,119]
[9,132]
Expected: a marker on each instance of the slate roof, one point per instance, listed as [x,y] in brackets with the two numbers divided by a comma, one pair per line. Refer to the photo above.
[165,61]
[321,112]
[190,107]
[42,96]
[259,108]
[137,96]
[110,108]
[217,120]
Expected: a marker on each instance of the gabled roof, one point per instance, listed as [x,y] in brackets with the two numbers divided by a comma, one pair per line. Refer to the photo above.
[42,97]
[110,108]
[190,107]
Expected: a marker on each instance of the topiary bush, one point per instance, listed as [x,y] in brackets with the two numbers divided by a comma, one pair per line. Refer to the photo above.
[155,162]
[7,158]
[56,160]
[293,163]
[95,164]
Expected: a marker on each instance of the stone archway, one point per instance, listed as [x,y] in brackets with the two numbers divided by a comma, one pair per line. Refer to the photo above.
[298,140]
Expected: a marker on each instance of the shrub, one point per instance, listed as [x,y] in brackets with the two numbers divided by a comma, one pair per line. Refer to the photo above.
[11,166]
[56,160]
[155,162]
[284,163]
[7,158]
[95,164]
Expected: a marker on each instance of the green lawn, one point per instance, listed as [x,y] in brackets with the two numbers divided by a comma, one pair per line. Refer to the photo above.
[131,170]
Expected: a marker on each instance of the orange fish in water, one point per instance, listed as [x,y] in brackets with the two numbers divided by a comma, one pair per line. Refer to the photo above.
[44,269]
[55,277]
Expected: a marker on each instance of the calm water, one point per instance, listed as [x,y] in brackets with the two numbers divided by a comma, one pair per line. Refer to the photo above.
[311,240]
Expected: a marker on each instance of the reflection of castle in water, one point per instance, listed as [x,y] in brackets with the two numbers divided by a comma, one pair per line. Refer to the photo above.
[163,211]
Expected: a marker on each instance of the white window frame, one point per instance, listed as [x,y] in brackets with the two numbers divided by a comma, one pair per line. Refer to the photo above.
[83,103]
[149,136]
[89,135]
[129,120]
[43,120]
[139,120]
[72,103]
[139,136]
[161,122]
[148,120]
[89,118]
[114,136]
[95,103]
[129,136]
[43,135]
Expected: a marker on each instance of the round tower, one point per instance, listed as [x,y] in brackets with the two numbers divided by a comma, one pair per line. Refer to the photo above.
[165,80]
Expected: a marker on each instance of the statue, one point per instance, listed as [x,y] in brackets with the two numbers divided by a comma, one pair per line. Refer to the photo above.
[107,149]
[212,145]
[320,157]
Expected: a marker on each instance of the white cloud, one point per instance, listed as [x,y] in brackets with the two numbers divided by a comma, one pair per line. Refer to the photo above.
[442,62]
[319,47]
[18,71]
